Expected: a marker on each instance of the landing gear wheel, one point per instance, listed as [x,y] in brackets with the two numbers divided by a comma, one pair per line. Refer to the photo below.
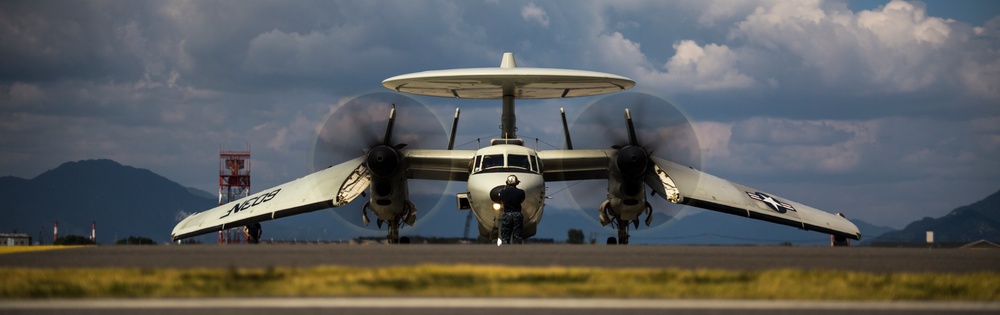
[612,240]
[622,232]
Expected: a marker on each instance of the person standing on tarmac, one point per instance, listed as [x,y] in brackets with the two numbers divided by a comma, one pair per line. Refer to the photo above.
[512,219]
[253,233]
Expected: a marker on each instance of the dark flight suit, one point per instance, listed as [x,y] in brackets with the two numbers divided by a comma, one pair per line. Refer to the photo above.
[253,233]
[512,220]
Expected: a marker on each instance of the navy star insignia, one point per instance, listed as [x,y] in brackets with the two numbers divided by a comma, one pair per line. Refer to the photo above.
[773,203]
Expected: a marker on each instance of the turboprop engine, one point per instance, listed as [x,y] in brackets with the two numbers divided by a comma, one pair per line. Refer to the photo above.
[626,186]
[389,198]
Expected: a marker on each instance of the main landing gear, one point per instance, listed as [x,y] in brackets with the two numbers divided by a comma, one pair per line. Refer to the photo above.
[622,227]
[409,217]
[606,216]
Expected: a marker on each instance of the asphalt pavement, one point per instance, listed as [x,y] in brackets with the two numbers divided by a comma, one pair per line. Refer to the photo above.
[867,259]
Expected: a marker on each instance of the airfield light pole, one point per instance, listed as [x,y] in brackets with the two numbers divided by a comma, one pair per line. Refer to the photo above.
[234,182]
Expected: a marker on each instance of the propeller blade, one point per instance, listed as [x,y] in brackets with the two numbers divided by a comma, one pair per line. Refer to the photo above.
[387,140]
[632,140]
[454,126]
[569,142]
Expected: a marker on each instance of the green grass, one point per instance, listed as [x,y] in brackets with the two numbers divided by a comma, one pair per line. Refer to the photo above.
[496,281]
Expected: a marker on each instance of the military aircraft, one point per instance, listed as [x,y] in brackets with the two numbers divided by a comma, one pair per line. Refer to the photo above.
[380,171]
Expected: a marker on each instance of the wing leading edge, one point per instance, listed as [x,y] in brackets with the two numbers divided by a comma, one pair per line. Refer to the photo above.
[331,187]
[685,185]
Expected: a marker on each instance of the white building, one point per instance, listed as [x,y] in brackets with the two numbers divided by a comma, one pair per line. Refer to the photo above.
[15,240]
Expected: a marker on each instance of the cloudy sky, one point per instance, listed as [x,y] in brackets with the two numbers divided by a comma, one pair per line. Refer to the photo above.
[886,111]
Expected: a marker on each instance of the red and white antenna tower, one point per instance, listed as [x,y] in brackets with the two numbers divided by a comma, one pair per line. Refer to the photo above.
[234,182]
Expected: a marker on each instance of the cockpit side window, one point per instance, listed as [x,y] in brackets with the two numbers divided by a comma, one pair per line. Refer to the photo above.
[478,167]
[519,161]
[492,160]
[534,164]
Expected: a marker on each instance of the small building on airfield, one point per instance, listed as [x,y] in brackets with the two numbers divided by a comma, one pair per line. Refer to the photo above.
[19,239]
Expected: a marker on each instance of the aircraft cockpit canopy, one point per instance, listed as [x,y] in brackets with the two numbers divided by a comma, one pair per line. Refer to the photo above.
[519,163]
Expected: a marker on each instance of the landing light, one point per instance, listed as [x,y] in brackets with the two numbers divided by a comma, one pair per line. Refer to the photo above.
[496,206]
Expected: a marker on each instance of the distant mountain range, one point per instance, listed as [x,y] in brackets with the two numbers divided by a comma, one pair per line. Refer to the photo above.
[126,201]
[122,200]
[977,221]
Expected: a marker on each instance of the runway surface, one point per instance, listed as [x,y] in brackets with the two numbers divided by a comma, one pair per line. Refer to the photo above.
[866,259]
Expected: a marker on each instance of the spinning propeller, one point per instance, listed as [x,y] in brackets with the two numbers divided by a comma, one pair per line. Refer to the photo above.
[378,125]
[638,126]
[361,124]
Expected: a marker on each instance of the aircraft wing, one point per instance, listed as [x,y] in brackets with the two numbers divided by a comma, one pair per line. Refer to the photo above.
[439,164]
[331,187]
[561,165]
[685,185]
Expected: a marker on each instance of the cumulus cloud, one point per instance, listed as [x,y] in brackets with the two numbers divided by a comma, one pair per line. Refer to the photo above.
[534,13]
[709,67]
[766,145]
[877,150]
[896,48]
[615,49]
[815,46]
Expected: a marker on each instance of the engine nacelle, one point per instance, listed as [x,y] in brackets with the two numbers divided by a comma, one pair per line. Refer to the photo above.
[383,161]
[389,193]
[626,185]
[631,162]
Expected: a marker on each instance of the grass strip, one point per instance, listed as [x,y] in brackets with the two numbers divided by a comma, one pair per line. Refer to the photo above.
[22,249]
[496,281]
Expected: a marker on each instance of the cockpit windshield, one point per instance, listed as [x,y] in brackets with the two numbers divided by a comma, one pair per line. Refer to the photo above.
[492,160]
[513,161]
[519,161]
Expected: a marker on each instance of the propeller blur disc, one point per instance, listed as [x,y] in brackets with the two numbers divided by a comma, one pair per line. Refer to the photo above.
[661,128]
[360,124]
